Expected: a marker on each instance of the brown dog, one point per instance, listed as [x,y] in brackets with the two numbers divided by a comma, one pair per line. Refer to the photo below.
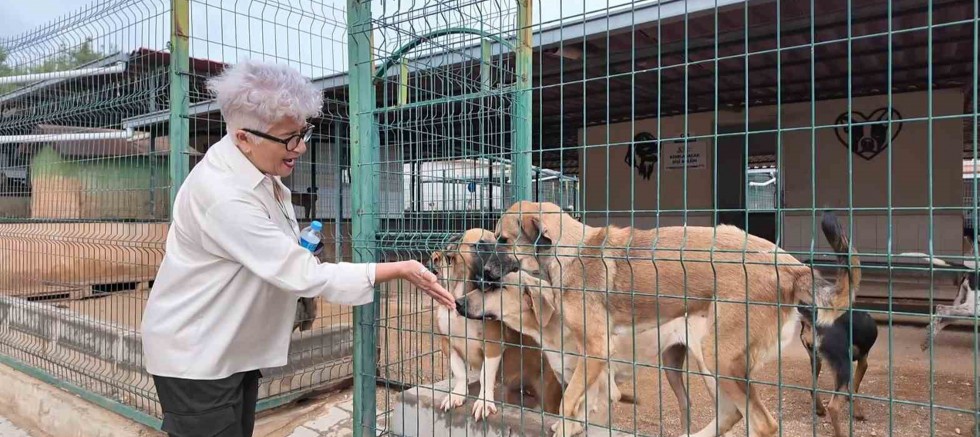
[482,345]
[626,281]
[531,304]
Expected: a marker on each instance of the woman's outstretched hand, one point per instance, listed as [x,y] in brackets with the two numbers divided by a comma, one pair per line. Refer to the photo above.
[416,273]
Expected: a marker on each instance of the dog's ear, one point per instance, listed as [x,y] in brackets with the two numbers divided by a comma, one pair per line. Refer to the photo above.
[535,229]
[541,299]
[435,257]
[447,252]
[452,244]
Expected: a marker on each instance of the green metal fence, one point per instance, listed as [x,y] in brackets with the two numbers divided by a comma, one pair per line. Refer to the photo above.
[759,114]
[440,114]
[103,111]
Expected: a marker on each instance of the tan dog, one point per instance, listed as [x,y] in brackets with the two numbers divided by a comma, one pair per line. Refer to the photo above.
[482,345]
[531,305]
[622,281]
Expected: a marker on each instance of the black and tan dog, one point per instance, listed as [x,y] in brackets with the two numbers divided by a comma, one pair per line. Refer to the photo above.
[833,345]
[485,346]
[624,281]
[848,339]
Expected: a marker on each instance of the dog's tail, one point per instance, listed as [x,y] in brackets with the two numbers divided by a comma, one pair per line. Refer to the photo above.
[832,299]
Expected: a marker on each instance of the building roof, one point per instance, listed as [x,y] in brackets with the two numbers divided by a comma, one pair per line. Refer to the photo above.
[136,60]
[671,57]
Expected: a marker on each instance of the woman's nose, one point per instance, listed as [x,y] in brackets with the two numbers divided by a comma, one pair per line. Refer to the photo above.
[300,148]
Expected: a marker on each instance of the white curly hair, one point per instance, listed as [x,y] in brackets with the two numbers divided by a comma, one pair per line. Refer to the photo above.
[256,95]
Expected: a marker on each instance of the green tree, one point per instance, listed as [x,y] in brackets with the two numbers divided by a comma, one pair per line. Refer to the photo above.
[65,59]
[5,70]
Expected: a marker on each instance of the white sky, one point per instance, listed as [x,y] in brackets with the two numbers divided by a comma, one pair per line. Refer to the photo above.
[307,34]
[20,16]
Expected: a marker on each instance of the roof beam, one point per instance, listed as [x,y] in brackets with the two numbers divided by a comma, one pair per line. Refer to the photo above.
[790,28]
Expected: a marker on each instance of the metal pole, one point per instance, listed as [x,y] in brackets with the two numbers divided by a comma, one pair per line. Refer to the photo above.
[179,94]
[117,68]
[364,157]
[521,152]
[152,161]
[338,146]
[57,138]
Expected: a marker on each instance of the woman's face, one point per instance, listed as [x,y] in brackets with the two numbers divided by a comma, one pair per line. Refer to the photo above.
[270,156]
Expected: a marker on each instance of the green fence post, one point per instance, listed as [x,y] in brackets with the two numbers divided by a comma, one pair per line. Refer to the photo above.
[180,19]
[520,169]
[363,156]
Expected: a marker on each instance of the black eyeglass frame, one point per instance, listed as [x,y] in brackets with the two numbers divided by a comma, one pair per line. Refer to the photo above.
[304,135]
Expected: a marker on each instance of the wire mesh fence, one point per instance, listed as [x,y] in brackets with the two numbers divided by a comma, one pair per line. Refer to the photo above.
[667,119]
[638,120]
[102,113]
[85,201]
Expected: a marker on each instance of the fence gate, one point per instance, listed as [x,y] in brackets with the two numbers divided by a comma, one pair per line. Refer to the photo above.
[441,135]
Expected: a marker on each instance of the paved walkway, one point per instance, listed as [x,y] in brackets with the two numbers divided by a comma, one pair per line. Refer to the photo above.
[8,429]
[336,422]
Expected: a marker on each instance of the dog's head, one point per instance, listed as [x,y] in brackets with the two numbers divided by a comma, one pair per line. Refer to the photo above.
[521,301]
[457,264]
[525,232]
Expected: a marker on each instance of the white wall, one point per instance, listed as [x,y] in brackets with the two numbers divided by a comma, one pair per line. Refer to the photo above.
[837,174]
[608,184]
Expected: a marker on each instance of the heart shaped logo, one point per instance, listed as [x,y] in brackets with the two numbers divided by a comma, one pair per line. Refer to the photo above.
[864,139]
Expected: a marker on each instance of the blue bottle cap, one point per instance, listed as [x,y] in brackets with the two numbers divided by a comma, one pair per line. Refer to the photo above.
[316,225]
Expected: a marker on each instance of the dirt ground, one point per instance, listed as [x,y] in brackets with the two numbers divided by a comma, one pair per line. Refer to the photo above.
[408,356]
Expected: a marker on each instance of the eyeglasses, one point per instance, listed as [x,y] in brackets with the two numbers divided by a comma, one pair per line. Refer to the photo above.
[291,141]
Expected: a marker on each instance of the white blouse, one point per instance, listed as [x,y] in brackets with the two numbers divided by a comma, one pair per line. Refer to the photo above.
[224,299]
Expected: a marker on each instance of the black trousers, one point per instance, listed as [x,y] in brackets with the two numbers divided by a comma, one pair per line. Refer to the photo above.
[209,408]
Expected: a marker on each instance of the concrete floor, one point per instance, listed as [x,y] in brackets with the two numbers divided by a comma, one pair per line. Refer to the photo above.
[8,429]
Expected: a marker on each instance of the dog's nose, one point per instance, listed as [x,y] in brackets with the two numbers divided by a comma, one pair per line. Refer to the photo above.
[461,306]
[432,268]
[488,279]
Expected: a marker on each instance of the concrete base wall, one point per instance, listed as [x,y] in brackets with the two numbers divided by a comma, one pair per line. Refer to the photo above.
[417,412]
[108,359]
[44,410]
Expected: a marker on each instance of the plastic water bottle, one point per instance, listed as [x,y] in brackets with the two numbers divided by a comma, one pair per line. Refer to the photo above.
[310,237]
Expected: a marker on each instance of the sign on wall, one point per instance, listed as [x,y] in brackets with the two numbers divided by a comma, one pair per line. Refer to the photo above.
[692,157]
[865,139]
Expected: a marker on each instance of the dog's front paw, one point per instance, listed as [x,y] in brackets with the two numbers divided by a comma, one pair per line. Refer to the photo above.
[566,428]
[821,411]
[483,408]
[453,400]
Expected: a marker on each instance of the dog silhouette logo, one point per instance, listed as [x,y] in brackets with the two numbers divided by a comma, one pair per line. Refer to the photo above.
[867,136]
[643,154]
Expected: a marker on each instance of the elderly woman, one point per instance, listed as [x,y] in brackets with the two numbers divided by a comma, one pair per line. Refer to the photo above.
[224,300]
